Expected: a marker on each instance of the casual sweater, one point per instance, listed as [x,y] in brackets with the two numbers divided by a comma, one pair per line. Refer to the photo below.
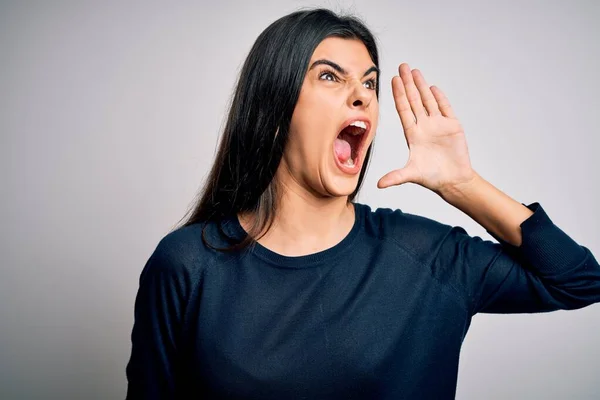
[380,315]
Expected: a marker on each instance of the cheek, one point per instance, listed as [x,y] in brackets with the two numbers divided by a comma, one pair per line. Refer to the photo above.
[315,137]
[313,129]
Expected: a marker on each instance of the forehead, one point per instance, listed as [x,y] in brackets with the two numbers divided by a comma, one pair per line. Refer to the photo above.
[351,54]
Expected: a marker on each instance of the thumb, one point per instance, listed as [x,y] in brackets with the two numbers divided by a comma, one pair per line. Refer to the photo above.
[398,177]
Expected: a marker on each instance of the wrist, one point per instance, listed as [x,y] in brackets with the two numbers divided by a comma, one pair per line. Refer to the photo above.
[461,189]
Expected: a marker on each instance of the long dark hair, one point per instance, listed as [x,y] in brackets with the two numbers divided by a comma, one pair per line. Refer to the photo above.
[256,132]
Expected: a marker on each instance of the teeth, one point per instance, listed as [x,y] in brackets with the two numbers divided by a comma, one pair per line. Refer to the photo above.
[349,162]
[360,124]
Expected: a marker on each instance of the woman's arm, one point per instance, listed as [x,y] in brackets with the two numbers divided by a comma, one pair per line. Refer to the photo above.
[498,213]
[536,267]
[159,304]
[547,271]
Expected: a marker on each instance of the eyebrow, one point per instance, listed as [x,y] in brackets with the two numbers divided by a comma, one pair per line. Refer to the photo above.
[341,70]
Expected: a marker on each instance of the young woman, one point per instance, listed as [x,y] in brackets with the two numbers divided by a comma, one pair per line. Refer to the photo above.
[279,286]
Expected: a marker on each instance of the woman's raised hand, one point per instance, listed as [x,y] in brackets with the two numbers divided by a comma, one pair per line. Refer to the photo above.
[438,154]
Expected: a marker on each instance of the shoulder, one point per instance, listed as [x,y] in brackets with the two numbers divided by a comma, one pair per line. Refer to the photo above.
[415,233]
[183,244]
[181,254]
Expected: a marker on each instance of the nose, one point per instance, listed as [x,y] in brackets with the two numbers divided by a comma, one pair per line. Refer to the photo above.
[360,97]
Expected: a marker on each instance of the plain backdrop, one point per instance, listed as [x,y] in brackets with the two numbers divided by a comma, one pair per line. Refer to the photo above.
[110,114]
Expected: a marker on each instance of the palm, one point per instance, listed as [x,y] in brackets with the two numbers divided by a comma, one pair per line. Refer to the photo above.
[438,153]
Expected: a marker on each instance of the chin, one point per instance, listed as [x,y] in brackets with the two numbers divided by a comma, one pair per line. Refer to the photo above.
[341,186]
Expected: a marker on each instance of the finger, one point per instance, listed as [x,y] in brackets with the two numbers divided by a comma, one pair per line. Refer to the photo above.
[412,93]
[397,177]
[443,103]
[427,97]
[407,117]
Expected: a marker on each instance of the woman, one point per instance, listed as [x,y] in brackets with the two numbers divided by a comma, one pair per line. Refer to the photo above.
[279,286]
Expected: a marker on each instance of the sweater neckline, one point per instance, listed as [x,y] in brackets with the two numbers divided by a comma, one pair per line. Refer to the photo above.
[233,227]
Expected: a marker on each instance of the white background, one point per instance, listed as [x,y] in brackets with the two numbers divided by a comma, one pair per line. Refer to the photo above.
[109,118]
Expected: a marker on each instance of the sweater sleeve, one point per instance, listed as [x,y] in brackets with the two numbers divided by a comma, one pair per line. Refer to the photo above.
[158,314]
[548,271]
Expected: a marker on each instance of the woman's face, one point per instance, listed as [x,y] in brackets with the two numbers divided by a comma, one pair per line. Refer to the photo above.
[323,154]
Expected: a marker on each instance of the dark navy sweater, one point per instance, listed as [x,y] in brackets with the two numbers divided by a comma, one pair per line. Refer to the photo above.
[380,315]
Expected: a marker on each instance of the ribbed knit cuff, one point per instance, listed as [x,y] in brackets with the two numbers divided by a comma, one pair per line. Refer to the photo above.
[544,247]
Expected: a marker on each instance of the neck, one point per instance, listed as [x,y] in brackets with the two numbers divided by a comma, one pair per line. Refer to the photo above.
[305,223]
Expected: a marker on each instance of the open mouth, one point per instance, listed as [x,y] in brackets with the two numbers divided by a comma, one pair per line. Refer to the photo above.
[349,143]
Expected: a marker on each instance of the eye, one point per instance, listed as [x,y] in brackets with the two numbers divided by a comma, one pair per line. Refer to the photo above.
[329,74]
[371,84]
